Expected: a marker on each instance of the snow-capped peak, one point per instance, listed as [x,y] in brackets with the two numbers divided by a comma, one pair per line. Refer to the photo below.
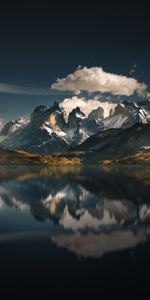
[12,126]
[49,129]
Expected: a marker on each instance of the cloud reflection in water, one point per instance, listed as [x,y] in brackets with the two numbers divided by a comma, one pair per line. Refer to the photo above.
[91,212]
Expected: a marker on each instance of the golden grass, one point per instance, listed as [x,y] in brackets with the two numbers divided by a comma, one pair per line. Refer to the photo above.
[24,158]
[146,147]
[69,158]
[138,158]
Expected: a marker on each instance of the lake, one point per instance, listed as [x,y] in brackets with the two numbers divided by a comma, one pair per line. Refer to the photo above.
[74,229]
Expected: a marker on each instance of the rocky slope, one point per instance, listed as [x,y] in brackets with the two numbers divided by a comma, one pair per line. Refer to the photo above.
[51,130]
[40,135]
[115,143]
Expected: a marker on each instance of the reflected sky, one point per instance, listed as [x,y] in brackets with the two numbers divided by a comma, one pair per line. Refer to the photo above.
[86,211]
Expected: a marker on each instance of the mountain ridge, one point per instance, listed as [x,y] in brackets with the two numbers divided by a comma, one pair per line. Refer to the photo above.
[49,130]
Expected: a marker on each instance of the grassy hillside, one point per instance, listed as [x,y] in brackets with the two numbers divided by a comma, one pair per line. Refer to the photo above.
[25,158]
[138,158]
[10,157]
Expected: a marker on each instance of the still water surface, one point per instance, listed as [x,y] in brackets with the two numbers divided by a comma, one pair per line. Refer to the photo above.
[73,228]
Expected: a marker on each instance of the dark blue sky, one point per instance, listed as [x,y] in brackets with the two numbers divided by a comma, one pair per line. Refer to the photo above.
[40,43]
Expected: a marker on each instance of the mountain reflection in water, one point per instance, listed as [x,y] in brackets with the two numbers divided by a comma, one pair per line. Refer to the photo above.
[87,211]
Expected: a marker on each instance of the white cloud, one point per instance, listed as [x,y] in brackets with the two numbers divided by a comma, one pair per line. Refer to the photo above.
[95,79]
[96,245]
[85,105]
[22,90]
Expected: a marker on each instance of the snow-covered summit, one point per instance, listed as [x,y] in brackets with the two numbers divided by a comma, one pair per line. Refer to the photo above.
[51,130]
[12,126]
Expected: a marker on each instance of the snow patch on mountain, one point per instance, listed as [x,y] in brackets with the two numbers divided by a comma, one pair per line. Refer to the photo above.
[51,130]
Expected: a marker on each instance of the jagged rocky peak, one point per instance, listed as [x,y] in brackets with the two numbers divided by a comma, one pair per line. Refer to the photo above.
[54,115]
[77,112]
[56,106]
[96,114]
[12,126]
[136,111]
[38,111]
[139,107]
[49,131]
[130,106]
[57,117]
[75,117]
[122,108]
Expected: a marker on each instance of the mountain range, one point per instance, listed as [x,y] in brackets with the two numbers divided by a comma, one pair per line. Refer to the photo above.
[84,210]
[50,130]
